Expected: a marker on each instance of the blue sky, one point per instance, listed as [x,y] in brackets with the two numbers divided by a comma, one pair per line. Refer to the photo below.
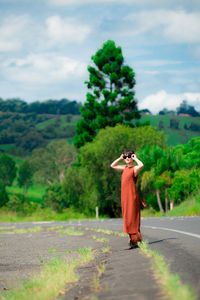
[46,45]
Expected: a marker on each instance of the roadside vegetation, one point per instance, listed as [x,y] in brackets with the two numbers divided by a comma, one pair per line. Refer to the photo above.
[170,282]
[53,279]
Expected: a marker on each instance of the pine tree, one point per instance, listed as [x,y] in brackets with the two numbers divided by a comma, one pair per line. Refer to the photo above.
[111,96]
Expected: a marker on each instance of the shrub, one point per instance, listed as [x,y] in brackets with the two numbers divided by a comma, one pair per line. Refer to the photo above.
[55,198]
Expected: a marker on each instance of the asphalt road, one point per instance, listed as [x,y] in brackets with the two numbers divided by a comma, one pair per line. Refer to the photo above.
[176,238]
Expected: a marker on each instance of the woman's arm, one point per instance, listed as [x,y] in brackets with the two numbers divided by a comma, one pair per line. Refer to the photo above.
[139,166]
[114,164]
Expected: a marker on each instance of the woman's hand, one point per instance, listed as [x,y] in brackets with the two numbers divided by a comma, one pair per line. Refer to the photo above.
[133,156]
[121,157]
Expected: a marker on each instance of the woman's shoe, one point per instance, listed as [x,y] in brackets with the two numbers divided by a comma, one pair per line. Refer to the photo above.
[133,245]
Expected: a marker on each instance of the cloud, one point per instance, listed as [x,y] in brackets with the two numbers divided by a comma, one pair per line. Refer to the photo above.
[66,30]
[162,99]
[177,26]
[13,32]
[46,68]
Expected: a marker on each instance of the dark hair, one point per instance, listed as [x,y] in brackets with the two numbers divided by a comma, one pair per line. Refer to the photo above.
[129,152]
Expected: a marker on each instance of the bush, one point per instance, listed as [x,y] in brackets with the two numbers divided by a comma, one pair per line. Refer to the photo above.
[55,198]
[3,195]
[184,184]
[19,203]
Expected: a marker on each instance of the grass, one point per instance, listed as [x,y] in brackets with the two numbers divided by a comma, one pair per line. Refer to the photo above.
[150,212]
[175,137]
[41,215]
[106,249]
[52,250]
[53,228]
[170,282]
[70,231]
[96,282]
[106,231]
[101,240]
[186,208]
[35,193]
[52,280]
[101,268]
[7,227]
[24,230]
[189,207]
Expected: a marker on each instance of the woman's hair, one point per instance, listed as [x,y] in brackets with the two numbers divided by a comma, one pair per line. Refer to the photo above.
[129,152]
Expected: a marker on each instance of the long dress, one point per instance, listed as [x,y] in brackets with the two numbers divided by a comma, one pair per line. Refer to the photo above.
[130,203]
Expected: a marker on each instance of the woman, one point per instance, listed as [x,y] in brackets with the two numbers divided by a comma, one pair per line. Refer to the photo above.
[130,201]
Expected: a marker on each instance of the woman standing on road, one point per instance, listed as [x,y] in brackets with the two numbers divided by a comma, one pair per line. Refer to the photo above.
[130,201]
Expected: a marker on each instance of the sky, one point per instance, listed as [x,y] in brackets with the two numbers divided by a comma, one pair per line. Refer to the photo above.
[46,46]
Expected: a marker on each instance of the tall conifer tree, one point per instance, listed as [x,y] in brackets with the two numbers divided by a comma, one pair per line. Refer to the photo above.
[111,96]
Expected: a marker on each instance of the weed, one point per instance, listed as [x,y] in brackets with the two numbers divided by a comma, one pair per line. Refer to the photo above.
[70,231]
[52,280]
[52,250]
[170,282]
[106,249]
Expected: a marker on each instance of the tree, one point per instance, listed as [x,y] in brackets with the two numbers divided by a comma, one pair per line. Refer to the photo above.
[51,162]
[184,108]
[3,194]
[7,169]
[111,99]
[174,123]
[159,166]
[94,182]
[25,175]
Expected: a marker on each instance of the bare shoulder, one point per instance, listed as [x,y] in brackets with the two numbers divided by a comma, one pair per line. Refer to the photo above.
[119,168]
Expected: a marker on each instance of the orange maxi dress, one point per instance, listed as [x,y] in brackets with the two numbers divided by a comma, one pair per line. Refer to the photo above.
[130,203]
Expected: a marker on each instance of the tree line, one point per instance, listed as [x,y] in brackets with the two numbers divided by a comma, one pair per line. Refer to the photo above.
[54,107]
[83,178]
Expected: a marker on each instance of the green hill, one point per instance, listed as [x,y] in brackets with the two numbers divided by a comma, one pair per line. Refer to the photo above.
[21,133]
[175,136]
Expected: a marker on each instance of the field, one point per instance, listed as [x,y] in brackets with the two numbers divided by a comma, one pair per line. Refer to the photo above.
[180,136]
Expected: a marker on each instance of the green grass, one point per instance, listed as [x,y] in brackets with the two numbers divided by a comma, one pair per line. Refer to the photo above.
[52,281]
[106,231]
[101,240]
[106,249]
[70,231]
[35,193]
[44,124]
[175,137]
[24,230]
[52,250]
[186,208]
[41,215]
[189,207]
[55,228]
[7,147]
[150,212]
[170,282]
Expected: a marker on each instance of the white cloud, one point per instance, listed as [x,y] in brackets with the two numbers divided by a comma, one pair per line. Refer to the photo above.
[12,32]
[66,30]
[43,69]
[162,99]
[177,26]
